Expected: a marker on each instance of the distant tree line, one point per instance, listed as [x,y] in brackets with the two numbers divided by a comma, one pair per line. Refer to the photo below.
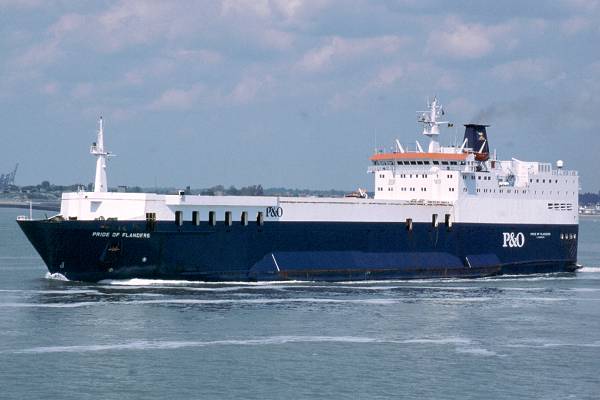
[220,190]
[46,188]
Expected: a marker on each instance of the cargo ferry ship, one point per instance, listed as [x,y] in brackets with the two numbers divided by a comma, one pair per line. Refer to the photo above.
[440,212]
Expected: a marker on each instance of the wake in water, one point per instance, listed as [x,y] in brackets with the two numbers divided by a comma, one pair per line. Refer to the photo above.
[590,269]
[263,341]
[57,276]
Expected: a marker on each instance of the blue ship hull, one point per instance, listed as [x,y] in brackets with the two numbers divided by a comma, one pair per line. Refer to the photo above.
[329,251]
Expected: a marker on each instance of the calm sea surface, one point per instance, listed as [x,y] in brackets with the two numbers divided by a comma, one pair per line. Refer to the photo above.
[502,338]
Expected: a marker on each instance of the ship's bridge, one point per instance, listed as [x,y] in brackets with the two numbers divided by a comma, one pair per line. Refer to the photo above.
[420,175]
[445,160]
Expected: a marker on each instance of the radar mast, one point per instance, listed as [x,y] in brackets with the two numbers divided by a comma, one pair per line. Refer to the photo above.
[430,122]
[97,149]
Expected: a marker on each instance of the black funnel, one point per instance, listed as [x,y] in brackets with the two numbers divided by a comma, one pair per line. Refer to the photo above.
[477,140]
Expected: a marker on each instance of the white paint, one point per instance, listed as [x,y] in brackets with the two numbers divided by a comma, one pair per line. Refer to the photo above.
[97,149]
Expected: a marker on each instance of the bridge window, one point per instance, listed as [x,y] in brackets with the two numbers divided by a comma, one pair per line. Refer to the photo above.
[196,218]
[244,218]
[228,219]
[212,218]
[260,219]
[436,163]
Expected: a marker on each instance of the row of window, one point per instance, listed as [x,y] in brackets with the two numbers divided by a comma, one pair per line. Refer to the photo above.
[412,189]
[485,178]
[212,218]
[419,163]
[544,181]
[424,176]
[516,191]
[560,206]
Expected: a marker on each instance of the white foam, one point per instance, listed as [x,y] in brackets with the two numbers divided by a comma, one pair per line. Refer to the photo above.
[450,340]
[478,351]
[167,282]
[589,269]
[195,288]
[552,345]
[57,276]
[53,305]
[272,340]
[204,302]
[51,291]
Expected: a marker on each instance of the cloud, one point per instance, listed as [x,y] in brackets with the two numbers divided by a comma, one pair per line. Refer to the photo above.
[38,55]
[526,69]
[387,76]
[178,99]
[182,60]
[50,88]
[83,90]
[21,3]
[583,5]
[575,25]
[285,11]
[249,87]
[338,50]
[463,40]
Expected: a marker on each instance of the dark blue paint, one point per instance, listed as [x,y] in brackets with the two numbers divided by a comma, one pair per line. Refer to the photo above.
[296,250]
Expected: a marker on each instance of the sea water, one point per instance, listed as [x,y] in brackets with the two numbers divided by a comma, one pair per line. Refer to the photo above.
[496,338]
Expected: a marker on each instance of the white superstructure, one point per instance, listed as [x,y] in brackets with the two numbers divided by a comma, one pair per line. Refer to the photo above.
[461,184]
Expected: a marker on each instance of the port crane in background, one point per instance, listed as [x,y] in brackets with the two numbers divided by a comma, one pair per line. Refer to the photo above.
[8,180]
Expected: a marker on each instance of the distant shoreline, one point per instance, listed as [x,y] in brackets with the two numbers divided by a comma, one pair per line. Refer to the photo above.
[44,206]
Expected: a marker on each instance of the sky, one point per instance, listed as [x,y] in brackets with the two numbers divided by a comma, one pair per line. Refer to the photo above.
[289,93]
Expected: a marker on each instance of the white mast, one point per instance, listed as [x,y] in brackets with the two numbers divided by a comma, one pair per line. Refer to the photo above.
[97,149]
[431,124]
